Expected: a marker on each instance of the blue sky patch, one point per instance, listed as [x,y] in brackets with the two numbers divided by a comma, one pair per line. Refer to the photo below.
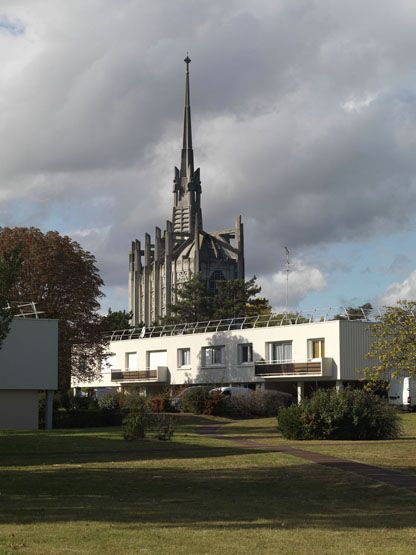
[12,26]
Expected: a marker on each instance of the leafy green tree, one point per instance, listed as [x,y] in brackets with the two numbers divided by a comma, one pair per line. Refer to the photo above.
[193,302]
[237,298]
[10,264]
[64,282]
[117,320]
[394,345]
[232,299]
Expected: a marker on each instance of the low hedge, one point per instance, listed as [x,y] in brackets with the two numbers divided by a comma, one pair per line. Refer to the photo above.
[256,404]
[196,399]
[87,418]
[351,414]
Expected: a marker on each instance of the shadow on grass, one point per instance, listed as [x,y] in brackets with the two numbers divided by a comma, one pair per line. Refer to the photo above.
[261,493]
[93,450]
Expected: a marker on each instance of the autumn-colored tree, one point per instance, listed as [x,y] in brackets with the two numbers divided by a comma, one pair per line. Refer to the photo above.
[9,270]
[63,280]
[394,347]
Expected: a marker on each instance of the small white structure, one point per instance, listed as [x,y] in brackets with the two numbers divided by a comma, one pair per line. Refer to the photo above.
[271,354]
[28,365]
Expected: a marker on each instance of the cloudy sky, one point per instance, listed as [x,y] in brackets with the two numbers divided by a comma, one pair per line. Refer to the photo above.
[304,120]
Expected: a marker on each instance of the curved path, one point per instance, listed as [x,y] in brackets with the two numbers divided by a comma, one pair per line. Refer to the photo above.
[380,474]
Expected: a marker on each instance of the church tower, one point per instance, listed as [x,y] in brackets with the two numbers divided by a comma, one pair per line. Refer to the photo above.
[187,184]
[184,249]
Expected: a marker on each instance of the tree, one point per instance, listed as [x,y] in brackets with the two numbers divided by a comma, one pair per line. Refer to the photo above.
[63,280]
[356,312]
[10,264]
[238,298]
[394,345]
[117,320]
[232,299]
[193,302]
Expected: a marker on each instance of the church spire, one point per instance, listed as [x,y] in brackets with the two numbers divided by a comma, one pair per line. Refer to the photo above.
[187,163]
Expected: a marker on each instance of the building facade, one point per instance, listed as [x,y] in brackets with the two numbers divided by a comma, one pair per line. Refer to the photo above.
[28,365]
[159,265]
[294,358]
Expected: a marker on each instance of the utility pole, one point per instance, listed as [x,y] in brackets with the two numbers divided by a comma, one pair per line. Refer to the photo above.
[287,277]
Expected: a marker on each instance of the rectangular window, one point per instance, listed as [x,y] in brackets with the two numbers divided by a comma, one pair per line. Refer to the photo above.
[184,357]
[156,358]
[245,353]
[213,356]
[316,348]
[131,361]
[281,351]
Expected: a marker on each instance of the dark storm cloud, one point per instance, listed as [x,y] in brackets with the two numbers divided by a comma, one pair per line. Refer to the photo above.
[304,119]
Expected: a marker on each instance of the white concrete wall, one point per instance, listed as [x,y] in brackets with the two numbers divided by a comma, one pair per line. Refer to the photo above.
[231,370]
[29,355]
[19,409]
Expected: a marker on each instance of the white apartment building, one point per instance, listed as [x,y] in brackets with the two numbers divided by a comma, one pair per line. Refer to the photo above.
[269,353]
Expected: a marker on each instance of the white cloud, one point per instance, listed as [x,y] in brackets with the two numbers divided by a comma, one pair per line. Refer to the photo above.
[401,291]
[303,279]
[357,104]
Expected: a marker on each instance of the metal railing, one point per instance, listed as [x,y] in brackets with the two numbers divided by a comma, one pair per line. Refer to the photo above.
[24,310]
[266,368]
[230,324]
[158,374]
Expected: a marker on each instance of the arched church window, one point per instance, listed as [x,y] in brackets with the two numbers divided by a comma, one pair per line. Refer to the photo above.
[216,277]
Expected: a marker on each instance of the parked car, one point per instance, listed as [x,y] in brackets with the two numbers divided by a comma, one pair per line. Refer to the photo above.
[232,390]
[176,401]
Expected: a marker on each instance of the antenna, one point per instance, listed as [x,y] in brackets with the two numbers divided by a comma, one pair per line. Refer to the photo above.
[287,251]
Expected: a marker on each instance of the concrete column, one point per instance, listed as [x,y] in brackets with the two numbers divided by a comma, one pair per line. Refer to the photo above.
[339,385]
[301,391]
[49,410]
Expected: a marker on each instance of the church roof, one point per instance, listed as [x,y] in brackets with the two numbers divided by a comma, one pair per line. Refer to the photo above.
[209,247]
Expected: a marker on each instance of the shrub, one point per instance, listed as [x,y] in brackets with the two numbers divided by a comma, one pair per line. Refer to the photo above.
[161,402]
[347,414]
[195,399]
[216,404]
[258,404]
[163,426]
[138,417]
[85,418]
[109,402]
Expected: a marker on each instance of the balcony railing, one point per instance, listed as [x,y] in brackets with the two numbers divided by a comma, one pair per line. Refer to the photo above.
[311,368]
[242,323]
[158,374]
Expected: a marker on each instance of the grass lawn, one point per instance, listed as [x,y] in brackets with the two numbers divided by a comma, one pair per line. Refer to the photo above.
[89,491]
[397,454]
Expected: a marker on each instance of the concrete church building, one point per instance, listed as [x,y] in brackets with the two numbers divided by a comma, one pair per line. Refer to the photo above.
[184,249]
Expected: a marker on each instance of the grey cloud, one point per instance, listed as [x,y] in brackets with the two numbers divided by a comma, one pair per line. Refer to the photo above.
[92,121]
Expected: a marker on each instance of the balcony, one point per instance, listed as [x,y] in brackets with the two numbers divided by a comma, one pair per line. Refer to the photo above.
[159,374]
[316,368]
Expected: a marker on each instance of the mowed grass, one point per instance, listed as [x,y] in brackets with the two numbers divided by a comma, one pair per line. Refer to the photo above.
[397,454]
[89,491]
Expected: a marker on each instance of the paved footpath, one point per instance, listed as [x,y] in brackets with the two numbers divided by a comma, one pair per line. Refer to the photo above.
[384,475]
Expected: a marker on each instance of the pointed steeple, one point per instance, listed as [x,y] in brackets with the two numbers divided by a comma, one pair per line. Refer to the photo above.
[187,163]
